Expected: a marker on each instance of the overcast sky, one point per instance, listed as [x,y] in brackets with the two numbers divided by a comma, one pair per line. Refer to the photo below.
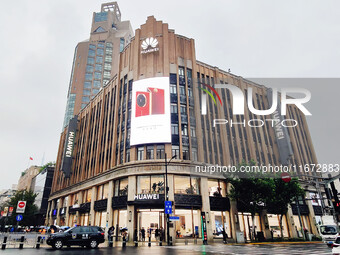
[276,39]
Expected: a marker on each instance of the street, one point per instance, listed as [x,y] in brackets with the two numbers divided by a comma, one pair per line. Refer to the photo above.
[314,248]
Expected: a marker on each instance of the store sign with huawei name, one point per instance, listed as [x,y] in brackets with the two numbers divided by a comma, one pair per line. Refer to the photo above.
[149,45]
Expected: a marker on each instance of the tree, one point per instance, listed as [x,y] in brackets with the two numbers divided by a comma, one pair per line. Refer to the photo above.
[284,193]
[251,192]
[31,208]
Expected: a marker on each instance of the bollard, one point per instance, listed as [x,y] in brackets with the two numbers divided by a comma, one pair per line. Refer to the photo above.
[110,241]
[124,242]
[195,240]
[170,241]
[160,242]
[38,242]
[149,243]
[4,243]
[135,238]
[186,241]
[22,239]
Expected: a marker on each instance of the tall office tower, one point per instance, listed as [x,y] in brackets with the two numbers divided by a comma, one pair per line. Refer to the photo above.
[96,60]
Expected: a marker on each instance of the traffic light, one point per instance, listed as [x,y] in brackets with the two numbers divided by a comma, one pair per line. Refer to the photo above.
[336,202]
[336,206]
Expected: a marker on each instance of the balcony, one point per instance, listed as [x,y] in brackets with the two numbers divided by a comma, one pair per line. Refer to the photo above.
[100,205]
[183,99]
[174,118]
[219,203]
[119,202]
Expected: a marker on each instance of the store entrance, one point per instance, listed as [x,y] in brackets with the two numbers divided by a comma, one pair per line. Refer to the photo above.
[152,223]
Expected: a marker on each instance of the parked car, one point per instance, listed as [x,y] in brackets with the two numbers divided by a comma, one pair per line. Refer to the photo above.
[88,236]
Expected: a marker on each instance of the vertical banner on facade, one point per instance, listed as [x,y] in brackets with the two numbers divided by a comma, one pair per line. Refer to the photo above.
[5,211]
[150,115]
[281,132]
[66,165]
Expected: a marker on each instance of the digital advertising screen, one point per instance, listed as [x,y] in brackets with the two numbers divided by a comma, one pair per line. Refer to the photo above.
[150,116]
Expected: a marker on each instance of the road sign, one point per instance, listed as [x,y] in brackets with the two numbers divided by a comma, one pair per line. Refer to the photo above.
[19,217]
[21,207]
[286,177]
[167,207]
[174,218]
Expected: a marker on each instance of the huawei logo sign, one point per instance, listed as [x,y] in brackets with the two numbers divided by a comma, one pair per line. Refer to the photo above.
[149,45]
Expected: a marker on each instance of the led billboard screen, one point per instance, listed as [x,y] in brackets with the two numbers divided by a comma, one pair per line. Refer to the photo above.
[150,116]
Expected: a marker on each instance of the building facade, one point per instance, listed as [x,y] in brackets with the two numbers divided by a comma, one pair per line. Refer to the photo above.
[26,177]
[41,185]
[118,180]
[96,59]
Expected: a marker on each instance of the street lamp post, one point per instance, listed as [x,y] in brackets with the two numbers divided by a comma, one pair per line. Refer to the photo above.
[167,196]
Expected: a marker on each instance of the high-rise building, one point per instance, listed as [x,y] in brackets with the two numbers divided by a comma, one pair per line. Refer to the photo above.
[26,177]
[96,60]
[110,168]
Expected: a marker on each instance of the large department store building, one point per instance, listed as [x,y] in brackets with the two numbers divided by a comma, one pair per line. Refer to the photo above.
[112,154]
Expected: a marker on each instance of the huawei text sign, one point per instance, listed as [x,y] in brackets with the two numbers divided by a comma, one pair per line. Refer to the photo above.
[239,100]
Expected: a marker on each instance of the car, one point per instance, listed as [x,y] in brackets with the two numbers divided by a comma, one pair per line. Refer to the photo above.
[89,236]
[336,246]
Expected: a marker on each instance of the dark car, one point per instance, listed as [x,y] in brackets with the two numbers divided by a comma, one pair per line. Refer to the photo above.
[88,236]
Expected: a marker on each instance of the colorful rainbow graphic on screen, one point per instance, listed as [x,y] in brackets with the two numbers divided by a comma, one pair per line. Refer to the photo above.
[210,94]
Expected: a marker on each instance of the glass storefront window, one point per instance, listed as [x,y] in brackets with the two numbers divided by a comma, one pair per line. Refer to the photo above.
[217,188]
[182,185]
[123,187]
[188,224]
[88,195]
[150,184]
[143,184]
[187,185]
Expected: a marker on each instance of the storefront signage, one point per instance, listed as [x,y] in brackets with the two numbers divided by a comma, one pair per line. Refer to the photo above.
[149,45]
[69,146]
[146,196]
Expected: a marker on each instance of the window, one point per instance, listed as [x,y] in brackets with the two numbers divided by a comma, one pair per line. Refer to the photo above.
[96,84]
[183,110]
[98,67]
[140,153]
[88,77]
[100,52]
[182,90]
[149,152]
[107,66]
[217,188]
[174,129]
[107,74]
[186,154]
[194,154]
[190,95]
[99,59]
[105,81]
[108,44]
[175,150]
[108,58]
[100,45]
[92,53]
[85,99]
[86,92]
[87,85]
[127,155]
[174,108]
[92,46]
[184,129]
[153,184]
[88,195]
[89,69]
[121,187]
[122,44]
[108,51]
[173,89]
[192,132]
[181,71]
[95,91]
[90,61]
[100,17]
[187,185]
[97,75]
[160,152]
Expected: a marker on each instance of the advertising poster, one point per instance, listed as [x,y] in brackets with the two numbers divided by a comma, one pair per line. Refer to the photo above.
[150,116]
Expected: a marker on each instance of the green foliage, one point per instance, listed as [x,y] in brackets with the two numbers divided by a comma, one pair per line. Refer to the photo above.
[31,208]
[22,174]
[46,165]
